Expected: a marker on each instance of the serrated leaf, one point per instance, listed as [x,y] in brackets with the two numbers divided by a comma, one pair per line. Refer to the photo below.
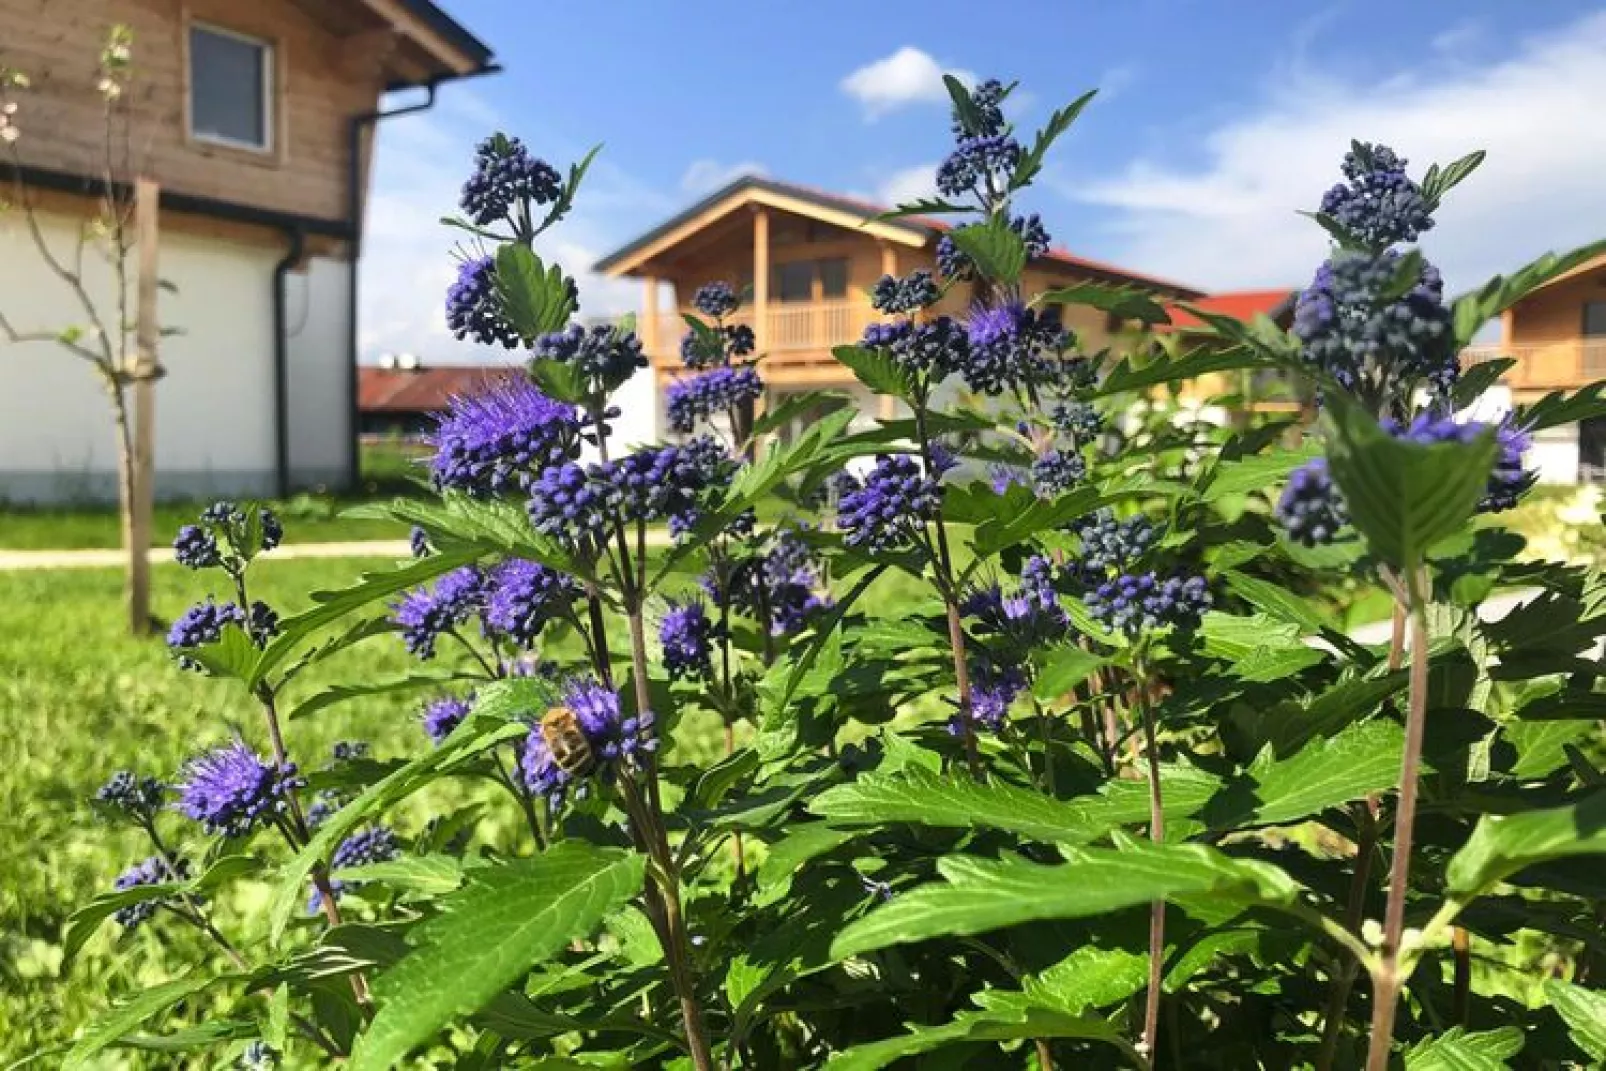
[876,370]
[997,251]
[1067,667]
[559,380]
[1472,311]
[83,923]
[1404,497]
[1031,162]
[123,1019]
[980,895]
[433,875]
[1440,181]
[928,798]
[1542,745]
[1086,979]
[1558,408]
[340,693]
[1584,1012]
[964,107]
[1126,302]
[1234,636]
[1360,760]
[1276,601]
[535,299]
[922,206]
[972,1027]
[509,918]
[1132,375]
[1457,1050]
[1258,473]
[1477,379]
[1501,845]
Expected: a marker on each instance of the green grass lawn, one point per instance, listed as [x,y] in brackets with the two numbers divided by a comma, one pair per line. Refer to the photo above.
[388,469]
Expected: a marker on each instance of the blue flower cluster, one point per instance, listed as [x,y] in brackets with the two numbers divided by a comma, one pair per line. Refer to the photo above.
[231,791]
[1080,420]
[993,687]
[576,505]
[686,637]
[131,796]
[493,441]
[505,175]
[602,354]
[891,507]
[1379,205]
[718,390]
[1056,471]
[425,614]
[473,309]
[521,597]
[728,341]
[980,164]
[1138,602]
[1374,346]
[899,297]
[615,742]
[1310,509]
[1108,543]
[784,584]
[258,1056]
[418,542]
[1026,618]
[375,844]
[200,626]
[716,300]
[934,349]
[1007,344]
[196,548]
[223,537]
[151,871]
[988,99]
[442,715]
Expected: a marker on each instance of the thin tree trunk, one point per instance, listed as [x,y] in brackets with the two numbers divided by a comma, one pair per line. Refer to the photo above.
[136,587]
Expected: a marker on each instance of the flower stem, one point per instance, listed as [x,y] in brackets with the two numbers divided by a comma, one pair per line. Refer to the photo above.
[1387,978]
[1151,1005]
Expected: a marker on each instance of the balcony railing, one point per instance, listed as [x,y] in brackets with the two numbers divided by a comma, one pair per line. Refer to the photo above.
[1558,364]
[797,342]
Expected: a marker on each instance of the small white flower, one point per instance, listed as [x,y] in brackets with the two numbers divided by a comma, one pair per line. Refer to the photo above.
[8,134]
[1372,933]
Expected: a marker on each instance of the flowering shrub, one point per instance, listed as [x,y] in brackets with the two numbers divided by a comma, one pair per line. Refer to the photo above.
[1035,753]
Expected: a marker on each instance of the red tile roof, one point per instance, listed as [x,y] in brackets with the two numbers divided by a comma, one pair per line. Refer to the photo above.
[423,390]
[1239,304]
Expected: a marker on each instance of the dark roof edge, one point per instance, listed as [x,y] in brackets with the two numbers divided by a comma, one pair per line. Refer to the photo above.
[449,28]
[89,186]
[746,182]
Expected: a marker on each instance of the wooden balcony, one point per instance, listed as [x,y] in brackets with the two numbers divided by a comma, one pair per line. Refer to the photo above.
[1560,364]
[795,340]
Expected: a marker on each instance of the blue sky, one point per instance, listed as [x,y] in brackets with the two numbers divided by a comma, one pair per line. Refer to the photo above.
[1215,122]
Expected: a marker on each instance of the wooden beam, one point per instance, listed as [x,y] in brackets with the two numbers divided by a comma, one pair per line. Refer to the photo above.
[649,312]
[399,17]
[889,258]
[761,278]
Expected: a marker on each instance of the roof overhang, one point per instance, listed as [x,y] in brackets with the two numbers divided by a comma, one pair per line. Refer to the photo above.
[447,48]
[751,192]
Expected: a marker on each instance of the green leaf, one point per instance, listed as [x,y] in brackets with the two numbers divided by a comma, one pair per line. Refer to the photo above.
[1360,760]
[1067,667]
[1558,408]
[876,370]
[508,919]
[923,206]
[560,380]
[1438,182]
[1131,374]
[964,107]
[1542,745]
[790,854]
[1457,1050]
[998,252]
[1501,845]
[1128,303]
[1031,162]
[83,923]
[1258,473]
[535,299]
[1477,379]
[979,895]
[123,1019]
[1584,1012]
[1088,978]
[1404,497]
[340,693]
[974,1027]
[1276,601]
[929,798]
[432,875]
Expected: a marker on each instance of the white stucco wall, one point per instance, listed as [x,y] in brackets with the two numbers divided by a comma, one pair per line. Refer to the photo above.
[215,406]
[317,318]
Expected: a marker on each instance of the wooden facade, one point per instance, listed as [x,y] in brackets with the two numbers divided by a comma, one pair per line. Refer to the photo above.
[1557,335]
[329,63]
[805,261]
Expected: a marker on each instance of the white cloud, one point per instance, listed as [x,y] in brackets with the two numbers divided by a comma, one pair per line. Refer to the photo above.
[1230,220]
[408,263]
[705,176]
[909,184]
[908,76]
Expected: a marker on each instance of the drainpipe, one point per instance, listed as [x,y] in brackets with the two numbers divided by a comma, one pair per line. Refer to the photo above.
[354,190]
[297,237]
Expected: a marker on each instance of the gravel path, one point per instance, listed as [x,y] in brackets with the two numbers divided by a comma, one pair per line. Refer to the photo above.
[102,557]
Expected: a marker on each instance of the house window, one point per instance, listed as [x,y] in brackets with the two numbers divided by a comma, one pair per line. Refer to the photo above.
[794,281]
[231,88]
[834,278]
[1594,319]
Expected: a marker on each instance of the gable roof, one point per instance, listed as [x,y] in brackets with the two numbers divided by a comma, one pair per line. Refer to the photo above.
[424,390]
[459,52]
[849,212]
[1239,304]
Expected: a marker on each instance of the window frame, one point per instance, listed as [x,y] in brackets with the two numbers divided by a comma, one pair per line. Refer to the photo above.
[269,50]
